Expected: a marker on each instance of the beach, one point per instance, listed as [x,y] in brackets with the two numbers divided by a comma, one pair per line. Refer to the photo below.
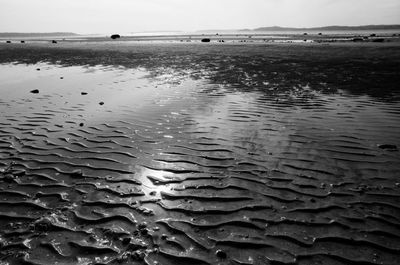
[173,152]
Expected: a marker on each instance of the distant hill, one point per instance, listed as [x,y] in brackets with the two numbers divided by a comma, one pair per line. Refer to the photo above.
[329,28]
[36,34]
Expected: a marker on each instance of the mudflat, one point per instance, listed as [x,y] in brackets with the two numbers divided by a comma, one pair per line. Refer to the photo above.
[199,153]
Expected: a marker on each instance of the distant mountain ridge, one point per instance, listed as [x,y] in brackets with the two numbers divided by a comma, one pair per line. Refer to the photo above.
[37,34]
[330,28]
[326,28]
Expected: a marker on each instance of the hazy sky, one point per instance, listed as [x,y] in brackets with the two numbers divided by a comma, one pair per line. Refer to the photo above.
[106,16]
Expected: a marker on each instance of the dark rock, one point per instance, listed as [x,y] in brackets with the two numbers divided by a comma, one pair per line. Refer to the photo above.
[373,35]
[142,225]
[205,40]
[138,255]
[42,225]
[305,33]
[8,178]
[144,231]
[101,103]
[115,36]
[221,254]
[53,41]
[61,77]
[123,259]
[37,69]
[320,33]
[389,147]
[126,240]
[8,41]
[81,124]
[357,39]
[22,41]
[35,91]
[378,40]
[83,93]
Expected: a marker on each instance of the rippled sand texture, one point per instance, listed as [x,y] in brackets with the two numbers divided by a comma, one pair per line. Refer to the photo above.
[198,166]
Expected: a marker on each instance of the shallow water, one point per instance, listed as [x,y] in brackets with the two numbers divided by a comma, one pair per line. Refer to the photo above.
[171,170]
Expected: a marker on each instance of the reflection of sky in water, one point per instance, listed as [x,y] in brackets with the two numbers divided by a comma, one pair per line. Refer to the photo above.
[274,129]
[189,155]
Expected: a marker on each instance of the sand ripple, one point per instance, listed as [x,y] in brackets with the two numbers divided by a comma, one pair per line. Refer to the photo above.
[176,174]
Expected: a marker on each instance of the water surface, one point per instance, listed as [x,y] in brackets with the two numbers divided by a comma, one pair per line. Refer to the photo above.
[111,165]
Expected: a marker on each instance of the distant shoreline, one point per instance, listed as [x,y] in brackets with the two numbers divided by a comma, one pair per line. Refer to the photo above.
[222,31]
[378,36]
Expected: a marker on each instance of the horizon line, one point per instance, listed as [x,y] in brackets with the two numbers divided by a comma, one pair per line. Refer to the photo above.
[221,29]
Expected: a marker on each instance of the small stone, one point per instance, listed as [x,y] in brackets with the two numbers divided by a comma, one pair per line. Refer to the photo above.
[61,77]
[35,91]
[37,69]
[144,231]
[138,256]
[84,93]
[221,254]
[8,178]
[81,124]
[142,225]
[101,103]
[126,240]
[153,193]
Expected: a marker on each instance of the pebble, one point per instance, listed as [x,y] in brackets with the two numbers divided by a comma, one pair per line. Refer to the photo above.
[35,91]
[101,103]
[221,254]
[126,241]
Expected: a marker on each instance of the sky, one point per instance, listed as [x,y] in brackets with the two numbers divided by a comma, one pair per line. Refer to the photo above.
[124,16]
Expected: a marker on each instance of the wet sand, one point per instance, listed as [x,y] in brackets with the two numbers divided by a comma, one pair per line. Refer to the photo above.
[191,153]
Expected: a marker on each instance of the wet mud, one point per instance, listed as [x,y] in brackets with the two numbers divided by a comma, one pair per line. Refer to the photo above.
[208,158]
